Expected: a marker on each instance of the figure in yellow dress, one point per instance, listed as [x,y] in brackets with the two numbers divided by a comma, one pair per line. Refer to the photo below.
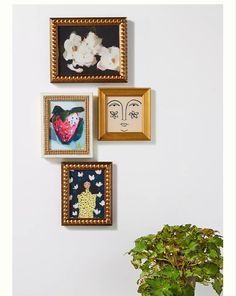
[86,202]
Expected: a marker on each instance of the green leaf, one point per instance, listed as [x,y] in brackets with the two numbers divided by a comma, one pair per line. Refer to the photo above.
[79,130]
[217,240]
[170,272]
[64,115]
[213,254]
[76,110]
[175,258]
[218,286]
[136,263]
[188,291]
[160,247]
[211,268]
[140,246]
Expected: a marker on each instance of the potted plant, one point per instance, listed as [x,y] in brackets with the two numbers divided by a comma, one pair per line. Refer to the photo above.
[176,258]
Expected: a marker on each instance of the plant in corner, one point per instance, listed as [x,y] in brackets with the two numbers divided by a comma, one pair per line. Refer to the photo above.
[176,258]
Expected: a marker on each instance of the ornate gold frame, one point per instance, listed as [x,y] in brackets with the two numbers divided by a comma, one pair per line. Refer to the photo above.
[102,114]
[87,152]
[119,21]
[65,168]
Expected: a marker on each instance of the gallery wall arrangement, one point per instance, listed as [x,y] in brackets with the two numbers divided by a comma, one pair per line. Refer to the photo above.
[117,142]
[90,50]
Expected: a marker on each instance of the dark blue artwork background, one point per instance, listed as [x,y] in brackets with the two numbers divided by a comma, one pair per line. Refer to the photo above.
[94,189]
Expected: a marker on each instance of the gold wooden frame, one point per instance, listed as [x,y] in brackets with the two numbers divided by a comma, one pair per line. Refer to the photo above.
[119,21]
[87,152]
[102,114]
[65,168]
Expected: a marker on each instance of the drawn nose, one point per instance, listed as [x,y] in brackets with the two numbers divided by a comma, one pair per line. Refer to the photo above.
[124,124]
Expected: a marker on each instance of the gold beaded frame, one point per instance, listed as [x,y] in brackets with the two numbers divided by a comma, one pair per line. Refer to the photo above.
[103,134]
[121,22]
[87,152]
[66,167]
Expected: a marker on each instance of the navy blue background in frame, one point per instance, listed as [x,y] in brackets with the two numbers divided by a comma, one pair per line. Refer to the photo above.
[77,178]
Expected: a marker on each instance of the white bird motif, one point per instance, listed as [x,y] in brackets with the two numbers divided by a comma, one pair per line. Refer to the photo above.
[91,178]
[99,194]
[75,206]
[71,196]
[97,212]
[76,187]
[99,184]
[71,180]
[102,203]
[80,174]
[74,213]
[98,172]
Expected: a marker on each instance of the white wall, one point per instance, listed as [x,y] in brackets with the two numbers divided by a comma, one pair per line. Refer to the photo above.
[176,178]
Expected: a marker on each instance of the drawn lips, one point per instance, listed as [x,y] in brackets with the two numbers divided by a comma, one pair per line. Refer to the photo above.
[124,124]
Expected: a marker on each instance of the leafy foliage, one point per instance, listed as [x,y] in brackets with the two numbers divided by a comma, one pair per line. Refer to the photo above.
[176,258]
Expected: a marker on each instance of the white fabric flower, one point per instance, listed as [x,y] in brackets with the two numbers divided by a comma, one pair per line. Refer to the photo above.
[71,46]
[110,59]
[84,56]
[93,42]
[82,53]
[72,68]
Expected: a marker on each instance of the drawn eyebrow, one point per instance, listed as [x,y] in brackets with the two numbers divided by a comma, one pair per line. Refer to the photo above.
[111,102]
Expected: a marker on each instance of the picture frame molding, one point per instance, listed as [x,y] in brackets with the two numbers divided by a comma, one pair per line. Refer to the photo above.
[45,151]
[102,133]
[87,21]
[66,220]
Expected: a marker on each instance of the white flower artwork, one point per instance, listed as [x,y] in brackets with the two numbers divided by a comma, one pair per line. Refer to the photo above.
[97,212]
[99,194]
[89,52]
[91,178]
[102,203]
[110,59]
[75,206]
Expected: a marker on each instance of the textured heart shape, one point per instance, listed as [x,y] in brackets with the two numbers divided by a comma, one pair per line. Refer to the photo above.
[66,124]
[66,130]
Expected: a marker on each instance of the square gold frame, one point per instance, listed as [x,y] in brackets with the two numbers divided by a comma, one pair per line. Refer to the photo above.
[102,114]
[65,169]
[119,21]
[88,151]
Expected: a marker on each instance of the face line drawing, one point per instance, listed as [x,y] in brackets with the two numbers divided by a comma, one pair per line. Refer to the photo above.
[124,110]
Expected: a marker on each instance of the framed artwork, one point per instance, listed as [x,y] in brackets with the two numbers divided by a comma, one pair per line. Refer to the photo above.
[87,193]
[89,49]
[124,114]
[67,125]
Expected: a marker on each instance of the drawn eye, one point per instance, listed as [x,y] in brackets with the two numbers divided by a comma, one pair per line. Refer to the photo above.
[114,105]
[133,104]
